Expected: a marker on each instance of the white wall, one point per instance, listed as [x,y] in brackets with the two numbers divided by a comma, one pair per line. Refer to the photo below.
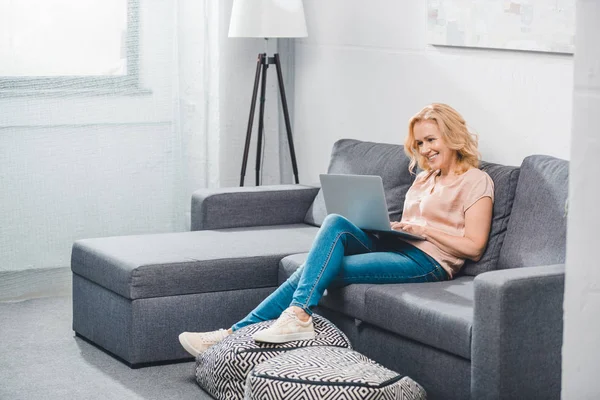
[366,68]
[581,345]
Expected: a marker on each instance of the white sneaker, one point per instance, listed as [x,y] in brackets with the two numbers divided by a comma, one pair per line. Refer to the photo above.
[287,328]
[198,342]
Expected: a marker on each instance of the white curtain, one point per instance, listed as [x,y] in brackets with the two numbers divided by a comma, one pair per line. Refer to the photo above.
[104,159]
[214,86]
[196,90]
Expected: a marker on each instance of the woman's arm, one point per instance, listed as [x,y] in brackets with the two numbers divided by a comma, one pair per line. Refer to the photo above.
[478,220]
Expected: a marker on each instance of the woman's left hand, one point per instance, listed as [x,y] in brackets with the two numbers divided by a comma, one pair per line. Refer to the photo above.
[419,230]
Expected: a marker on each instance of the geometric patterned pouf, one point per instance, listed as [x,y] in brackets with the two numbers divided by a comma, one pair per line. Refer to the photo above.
[222,369]
[330,373]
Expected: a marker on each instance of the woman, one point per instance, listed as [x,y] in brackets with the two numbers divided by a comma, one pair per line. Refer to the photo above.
[449,204]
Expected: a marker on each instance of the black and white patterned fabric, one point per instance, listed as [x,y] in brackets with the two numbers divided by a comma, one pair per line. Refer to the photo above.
[223,368]
[330,373]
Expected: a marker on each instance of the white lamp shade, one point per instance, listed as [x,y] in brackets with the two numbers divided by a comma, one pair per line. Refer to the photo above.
[267,19]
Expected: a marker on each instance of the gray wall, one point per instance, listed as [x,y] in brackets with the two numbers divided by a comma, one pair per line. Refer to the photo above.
[366,68]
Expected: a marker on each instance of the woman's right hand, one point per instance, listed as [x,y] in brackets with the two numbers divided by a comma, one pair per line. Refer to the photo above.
[419,230]
[395,225]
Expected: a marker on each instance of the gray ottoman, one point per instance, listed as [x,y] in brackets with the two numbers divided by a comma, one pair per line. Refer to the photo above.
[330,373]
[133,295]
[222,369]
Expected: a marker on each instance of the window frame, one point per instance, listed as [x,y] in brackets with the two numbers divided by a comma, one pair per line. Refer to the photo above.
[85,84]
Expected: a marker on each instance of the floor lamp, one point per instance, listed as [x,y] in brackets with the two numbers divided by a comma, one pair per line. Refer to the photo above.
[267,19]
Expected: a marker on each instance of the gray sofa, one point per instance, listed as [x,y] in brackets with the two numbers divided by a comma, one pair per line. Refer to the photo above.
[494,332]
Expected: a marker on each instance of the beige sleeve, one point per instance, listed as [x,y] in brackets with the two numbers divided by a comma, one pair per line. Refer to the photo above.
[481,187]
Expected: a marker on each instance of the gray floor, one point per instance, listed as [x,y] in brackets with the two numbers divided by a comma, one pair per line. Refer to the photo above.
[41,359]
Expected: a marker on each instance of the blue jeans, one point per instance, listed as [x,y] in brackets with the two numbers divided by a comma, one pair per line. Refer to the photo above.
[342,254]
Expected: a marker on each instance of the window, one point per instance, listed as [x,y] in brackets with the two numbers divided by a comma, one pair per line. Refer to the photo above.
[62,45]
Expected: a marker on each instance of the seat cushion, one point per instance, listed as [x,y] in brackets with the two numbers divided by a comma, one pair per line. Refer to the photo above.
[143,266]
[328,373]
[439,314]
[537,229]
[223,368]
[356,157]
[505,184]
[288,265]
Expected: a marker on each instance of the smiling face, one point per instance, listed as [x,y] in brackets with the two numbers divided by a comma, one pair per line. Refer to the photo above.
[451,148]
[431,145]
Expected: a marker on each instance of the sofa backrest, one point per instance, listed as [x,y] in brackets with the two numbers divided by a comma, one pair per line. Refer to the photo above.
[528,225]
[356,157]
[505,184]
[537,229]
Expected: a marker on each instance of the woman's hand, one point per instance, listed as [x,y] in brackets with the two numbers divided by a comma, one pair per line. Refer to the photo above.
[419,230]
[478,219]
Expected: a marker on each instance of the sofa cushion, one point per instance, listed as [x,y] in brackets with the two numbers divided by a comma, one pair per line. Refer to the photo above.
[288,265]
[143,266]
[439,314]
[356,157]
[505,184]
[536,233]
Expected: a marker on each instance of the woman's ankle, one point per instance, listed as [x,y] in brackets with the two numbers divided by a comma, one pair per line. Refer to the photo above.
[300,313]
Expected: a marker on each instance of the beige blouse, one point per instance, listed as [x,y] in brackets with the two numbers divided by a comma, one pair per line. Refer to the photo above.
[443,207]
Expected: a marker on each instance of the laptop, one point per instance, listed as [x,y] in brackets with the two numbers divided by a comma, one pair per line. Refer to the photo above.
[361,199]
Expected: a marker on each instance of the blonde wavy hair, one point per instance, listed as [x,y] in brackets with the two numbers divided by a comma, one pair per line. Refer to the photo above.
[455,135]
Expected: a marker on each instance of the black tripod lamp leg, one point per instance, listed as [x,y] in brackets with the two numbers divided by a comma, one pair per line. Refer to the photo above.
[261,116]
[286,115]
[259,64]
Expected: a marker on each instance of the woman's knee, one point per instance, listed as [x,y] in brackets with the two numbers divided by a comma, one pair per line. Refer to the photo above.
[335,221]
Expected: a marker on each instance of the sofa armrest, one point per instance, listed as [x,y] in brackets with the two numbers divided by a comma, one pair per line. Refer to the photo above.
[238,207]
[517,333]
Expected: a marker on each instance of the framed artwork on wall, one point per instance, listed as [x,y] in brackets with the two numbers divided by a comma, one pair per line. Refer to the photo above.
[530,25]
